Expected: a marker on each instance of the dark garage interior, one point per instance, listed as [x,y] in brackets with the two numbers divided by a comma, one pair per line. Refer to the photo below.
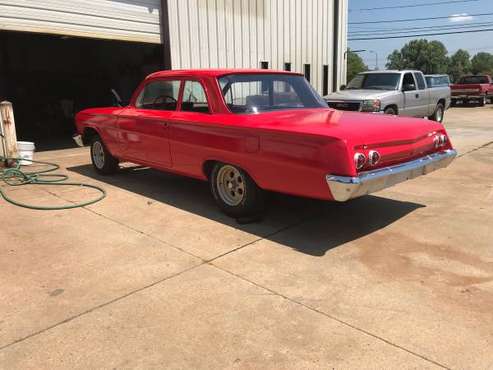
[49,78]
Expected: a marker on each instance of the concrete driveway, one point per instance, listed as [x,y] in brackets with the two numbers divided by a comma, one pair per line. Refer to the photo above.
[155,276]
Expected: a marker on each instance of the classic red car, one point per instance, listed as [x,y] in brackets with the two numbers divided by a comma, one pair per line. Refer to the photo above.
[469,88]
[251,131]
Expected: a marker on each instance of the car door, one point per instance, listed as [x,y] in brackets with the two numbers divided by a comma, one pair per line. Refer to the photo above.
[144,127]
[193,128]
[411,96]
[423,97]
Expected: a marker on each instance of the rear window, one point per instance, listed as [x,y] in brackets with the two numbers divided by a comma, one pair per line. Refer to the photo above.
[474,80]
[254,93]
[437,81]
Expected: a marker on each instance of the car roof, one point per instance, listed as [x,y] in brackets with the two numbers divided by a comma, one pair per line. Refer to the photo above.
[215,72]
[437,75]
[391,71]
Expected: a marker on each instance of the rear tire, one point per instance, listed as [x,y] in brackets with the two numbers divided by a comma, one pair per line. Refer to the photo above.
[391,111]
[482,101]
[102,160]
[234,191]
[438,114]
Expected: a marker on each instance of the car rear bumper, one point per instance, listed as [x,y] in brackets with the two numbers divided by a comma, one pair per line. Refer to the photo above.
[467,97]
[344,188]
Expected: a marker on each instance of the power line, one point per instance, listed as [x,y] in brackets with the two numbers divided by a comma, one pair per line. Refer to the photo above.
[419,35]
[417,29]
[413,5]
[420,19]
[439,27]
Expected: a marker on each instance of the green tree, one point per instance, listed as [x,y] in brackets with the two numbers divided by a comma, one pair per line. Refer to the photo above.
[460,64]
[423,55]
[355,65]
[482,63]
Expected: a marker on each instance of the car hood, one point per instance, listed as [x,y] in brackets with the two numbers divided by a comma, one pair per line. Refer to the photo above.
[359,94]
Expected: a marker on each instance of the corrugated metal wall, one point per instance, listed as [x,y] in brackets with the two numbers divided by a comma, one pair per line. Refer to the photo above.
[129,20]
[242,33]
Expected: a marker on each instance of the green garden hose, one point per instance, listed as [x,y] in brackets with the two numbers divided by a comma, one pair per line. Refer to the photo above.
[14,176]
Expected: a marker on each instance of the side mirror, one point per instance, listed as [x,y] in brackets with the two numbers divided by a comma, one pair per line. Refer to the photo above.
[343,87]
[117,100]
[409,87]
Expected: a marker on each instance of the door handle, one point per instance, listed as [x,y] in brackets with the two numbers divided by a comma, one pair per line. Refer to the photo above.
[165,124]
[417,96]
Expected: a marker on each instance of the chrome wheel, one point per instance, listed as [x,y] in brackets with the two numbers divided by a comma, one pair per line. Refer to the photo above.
[230,185]
[98,154]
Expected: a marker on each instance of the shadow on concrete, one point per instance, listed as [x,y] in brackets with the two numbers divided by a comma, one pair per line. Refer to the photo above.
[314,226]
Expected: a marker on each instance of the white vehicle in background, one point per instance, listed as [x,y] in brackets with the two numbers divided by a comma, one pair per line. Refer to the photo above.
[403,93]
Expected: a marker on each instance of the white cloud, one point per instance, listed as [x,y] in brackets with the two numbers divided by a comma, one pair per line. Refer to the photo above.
[463,17]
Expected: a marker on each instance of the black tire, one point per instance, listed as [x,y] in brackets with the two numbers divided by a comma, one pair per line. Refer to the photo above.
[102,160]
[438,114]
[482,101]
[390,110]
[453,103]
[251,200]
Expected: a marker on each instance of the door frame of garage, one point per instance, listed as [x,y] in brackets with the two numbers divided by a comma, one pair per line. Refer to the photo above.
[165,37]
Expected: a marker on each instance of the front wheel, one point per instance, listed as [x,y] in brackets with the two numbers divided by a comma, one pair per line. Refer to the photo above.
[390,110]
[102,160]
[235,192]
[438,114]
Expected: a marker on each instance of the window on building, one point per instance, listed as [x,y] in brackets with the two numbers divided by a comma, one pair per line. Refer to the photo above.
[264,65]
[287,66]
[159,95]
[325,82]
[307,71]
[194,98]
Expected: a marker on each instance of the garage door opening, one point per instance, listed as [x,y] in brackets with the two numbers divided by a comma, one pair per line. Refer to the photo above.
[49,78]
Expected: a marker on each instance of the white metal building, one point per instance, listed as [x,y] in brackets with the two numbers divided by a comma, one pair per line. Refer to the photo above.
[108,41]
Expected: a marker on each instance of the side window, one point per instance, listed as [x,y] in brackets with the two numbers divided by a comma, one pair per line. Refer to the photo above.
[421,81]
[194,98]
[159,95]
[408,80]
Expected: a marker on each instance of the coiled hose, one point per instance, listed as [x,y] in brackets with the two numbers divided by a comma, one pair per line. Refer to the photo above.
[15,176]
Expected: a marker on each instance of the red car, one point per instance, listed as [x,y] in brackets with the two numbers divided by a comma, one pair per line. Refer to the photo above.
[469,88]
[252,131]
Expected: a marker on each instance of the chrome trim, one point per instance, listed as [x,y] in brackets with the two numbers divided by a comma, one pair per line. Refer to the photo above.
[344,188]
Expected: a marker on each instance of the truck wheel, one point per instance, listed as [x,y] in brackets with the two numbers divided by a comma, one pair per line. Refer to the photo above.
[102,160]
[235,192]
[438,114]
[482,101]
[453,103]
[390,110]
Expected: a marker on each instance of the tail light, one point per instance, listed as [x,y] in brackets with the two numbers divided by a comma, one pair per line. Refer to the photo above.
[359,160]
[373,157]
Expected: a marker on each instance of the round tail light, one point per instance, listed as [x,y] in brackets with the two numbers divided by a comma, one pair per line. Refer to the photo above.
[443,140]
[373,157]
[436,141]
[359,160]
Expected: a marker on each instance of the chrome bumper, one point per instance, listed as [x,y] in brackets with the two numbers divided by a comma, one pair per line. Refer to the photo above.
[345,188]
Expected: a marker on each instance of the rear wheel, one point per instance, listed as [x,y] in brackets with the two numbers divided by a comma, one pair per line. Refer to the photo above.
[102,160]
[482,101]
[438,114]
[235,192]
[390,110]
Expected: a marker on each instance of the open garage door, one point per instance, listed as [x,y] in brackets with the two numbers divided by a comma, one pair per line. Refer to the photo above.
[49,78]
[127,20]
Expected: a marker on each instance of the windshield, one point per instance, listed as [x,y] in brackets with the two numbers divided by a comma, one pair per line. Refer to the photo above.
[474,80]
[374,81]
[253,93]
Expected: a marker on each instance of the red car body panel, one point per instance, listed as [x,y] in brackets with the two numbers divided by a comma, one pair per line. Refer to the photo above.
[288,151]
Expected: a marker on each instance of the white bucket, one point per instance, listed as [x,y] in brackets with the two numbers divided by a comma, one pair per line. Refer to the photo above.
[26,152]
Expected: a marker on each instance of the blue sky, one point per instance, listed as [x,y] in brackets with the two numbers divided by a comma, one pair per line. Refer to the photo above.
[473,42]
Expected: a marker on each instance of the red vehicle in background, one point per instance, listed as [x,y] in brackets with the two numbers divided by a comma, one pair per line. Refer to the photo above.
[251,131]
[473,88]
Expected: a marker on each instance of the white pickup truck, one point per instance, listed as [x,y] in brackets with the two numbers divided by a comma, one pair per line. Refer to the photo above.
[392,92]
